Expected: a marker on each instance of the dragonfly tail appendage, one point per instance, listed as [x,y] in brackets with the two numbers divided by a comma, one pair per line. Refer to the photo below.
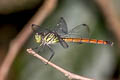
[94,41]
[110,43]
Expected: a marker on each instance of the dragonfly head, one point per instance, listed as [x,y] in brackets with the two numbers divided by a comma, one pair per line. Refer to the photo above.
[38,38]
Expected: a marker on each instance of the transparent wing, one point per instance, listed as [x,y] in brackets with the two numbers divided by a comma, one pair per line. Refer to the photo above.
[46,49]
[61,27]
[37,28]
[80,31]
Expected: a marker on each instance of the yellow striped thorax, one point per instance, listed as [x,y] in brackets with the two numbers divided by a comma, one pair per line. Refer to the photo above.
[50,38]
[38,38]
[46,38]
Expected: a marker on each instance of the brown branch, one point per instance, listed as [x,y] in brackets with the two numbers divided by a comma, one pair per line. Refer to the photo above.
[111,17]
[66,73]
[21,38]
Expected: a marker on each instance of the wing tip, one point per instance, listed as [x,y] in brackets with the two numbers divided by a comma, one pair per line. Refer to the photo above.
[84,24]
[61,18]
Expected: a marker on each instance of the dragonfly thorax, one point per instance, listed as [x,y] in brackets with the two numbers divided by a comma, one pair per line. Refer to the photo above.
[50,38]
[46,38]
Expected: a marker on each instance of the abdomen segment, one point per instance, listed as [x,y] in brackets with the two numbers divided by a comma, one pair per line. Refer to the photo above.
[83,40]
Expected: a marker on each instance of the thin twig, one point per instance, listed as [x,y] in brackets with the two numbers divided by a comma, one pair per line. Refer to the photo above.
[18,42]
[66,73]
[111,17]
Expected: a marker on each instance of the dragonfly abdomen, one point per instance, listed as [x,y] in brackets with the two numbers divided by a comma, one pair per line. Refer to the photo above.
[83,40]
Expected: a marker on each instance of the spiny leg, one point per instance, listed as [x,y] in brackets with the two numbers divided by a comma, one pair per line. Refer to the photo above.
[35,48]
[41,48]
[52,52]
[62,42]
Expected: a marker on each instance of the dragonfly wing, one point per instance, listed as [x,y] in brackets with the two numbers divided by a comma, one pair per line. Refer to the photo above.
[80,31]
[38,29]
[61,27]
[35,27]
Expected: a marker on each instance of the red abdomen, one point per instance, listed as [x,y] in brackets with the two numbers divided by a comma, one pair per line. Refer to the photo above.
[84,40]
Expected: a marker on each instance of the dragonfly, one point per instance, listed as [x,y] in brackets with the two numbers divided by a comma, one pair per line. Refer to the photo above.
[60,34]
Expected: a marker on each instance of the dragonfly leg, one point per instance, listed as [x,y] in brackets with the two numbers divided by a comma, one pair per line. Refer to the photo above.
[35,48]
[52,52]
[63,43]
[41,49]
